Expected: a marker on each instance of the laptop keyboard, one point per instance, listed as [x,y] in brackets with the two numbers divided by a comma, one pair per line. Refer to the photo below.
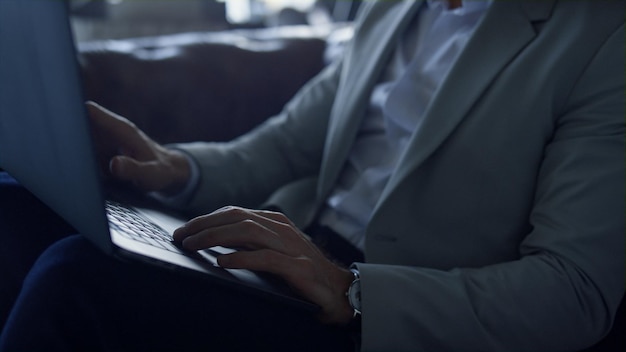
[134,226]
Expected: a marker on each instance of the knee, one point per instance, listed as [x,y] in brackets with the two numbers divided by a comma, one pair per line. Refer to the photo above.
[64,263]
[18,208]
[55,301]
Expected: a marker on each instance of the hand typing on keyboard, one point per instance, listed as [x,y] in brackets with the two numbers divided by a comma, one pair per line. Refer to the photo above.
[275,245]
[128,154]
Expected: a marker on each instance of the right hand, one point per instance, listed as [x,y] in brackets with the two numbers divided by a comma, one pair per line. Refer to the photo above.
[127,154]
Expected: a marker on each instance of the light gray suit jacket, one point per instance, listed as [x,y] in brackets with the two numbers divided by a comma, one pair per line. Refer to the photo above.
[503,226]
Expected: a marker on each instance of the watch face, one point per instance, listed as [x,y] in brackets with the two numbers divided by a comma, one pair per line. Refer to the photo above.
[354,295]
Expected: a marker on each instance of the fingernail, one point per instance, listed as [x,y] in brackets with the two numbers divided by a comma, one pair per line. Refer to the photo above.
[113,167]
[117,165]
[188,243]
[179,232]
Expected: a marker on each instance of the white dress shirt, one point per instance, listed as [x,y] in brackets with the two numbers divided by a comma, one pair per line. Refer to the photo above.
[422,59]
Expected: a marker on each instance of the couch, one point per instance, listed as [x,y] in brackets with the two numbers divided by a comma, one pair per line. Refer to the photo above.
[209,86]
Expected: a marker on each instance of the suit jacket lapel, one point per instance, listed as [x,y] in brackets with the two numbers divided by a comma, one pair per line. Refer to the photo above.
[505,30]
[367,58]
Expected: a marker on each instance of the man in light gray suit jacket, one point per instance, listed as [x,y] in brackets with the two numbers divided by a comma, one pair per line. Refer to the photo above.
[500,224]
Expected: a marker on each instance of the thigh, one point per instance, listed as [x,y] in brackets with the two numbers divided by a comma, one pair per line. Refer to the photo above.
[27,228]
[77,298]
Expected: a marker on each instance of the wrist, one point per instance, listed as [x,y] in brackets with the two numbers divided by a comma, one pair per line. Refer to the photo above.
[354,293]
[350,298]
[180,172]
[340,312]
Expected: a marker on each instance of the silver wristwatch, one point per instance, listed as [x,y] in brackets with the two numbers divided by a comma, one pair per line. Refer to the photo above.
[354,292]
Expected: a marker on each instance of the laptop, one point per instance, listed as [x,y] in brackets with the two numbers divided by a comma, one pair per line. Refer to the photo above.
[45,143]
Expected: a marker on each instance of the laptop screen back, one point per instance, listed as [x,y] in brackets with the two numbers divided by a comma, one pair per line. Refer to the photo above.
[44,133]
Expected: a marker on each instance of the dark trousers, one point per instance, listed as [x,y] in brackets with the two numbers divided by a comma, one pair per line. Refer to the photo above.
[76,298]
[27,228]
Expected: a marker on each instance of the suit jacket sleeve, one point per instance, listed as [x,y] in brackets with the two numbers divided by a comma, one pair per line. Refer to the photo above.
[286,148]
[563,291]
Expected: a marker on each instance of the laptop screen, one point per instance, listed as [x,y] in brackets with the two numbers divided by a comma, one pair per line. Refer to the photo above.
[45,139]
[44,133]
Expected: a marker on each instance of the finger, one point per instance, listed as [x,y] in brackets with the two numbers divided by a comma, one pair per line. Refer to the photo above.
[281,218]
[230,215]
[104,116]
[239,227]
[274,216]
[245,234]
[123,167]
[220,217]
[146,176]
[119,132]
[241,231]
[108,120]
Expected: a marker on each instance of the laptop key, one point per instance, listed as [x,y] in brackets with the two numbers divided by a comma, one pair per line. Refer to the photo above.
[135,227]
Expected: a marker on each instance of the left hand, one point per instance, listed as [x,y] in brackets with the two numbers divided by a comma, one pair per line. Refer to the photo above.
[274,245]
